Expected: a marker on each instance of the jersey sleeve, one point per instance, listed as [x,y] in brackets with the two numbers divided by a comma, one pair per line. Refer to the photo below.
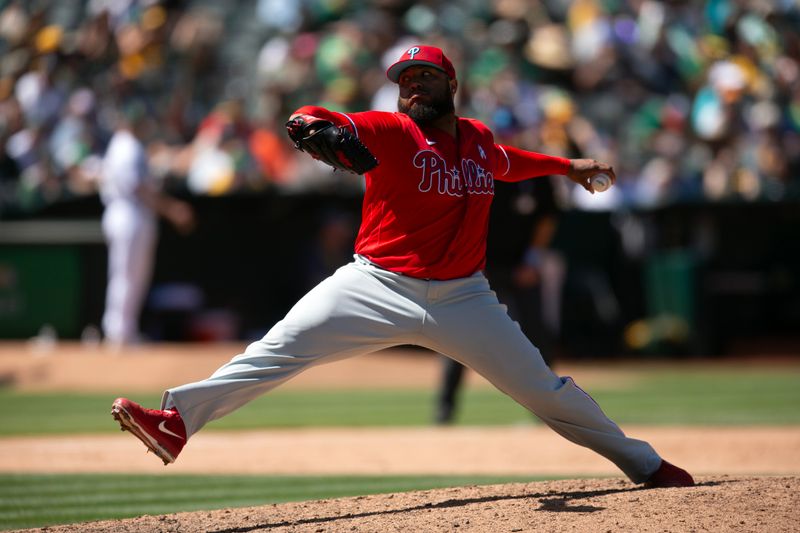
[515,164]
[368,126]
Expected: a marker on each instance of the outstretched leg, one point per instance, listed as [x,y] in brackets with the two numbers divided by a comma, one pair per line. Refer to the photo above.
[468,323]
[350,313]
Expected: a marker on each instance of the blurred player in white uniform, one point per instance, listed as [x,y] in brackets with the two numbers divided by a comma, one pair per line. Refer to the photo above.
[130,225]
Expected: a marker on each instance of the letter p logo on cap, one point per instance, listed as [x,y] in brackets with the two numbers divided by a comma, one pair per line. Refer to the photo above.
[421,55]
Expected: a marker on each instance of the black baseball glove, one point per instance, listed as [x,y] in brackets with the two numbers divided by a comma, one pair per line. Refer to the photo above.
[330,144]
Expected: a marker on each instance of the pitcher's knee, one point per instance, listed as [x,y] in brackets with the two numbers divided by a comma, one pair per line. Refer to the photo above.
[551,397]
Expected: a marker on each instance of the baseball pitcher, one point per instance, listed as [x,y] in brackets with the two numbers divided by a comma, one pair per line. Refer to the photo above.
[416,277]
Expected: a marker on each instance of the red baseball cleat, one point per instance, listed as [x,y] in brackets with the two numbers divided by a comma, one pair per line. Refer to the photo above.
[669,475]
[162,432]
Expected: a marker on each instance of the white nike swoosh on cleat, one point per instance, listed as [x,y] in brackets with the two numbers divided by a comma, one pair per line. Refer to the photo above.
[430,143]
[163,427]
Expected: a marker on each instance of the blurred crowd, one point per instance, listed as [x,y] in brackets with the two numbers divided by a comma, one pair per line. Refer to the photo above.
[690,101]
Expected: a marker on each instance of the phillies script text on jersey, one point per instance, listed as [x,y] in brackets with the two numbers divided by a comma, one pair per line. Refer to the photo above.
[426,205]
[472,179]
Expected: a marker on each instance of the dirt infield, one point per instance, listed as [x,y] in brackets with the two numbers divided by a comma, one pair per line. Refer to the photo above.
[749,477]
[717,504]
[525,450]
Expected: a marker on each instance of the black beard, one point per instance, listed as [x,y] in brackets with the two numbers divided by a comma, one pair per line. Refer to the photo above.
[427,113]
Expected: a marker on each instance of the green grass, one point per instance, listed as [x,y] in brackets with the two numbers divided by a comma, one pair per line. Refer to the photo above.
[39,500]
[708,398]
[705,396]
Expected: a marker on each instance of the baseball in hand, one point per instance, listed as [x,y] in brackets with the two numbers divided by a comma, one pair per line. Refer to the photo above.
[601,182]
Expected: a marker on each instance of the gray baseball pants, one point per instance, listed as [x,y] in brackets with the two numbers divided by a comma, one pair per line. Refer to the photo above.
[363,308]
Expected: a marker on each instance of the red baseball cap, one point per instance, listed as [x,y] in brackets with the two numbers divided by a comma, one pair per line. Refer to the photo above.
[421,55]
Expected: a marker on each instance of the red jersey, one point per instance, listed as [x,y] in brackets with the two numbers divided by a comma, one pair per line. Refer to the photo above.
[426,205]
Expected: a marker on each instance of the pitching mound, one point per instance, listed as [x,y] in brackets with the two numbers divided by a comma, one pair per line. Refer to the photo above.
[720,504]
